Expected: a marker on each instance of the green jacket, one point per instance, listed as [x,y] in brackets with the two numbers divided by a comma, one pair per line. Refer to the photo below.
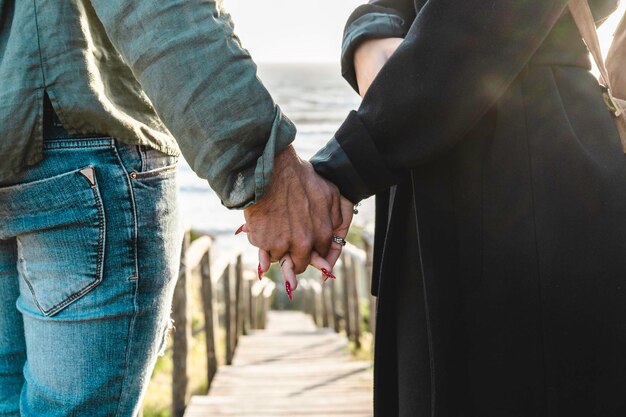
[169,74]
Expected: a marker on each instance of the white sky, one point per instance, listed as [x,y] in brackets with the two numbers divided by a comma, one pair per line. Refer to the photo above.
[291,30]
[308,30]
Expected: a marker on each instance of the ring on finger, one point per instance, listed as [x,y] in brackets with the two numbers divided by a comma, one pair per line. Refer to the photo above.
[339,240]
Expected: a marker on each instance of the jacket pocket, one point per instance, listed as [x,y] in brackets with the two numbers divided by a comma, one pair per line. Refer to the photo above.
[59,224]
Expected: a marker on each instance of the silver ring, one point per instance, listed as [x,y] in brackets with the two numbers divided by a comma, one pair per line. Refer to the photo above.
[339,240]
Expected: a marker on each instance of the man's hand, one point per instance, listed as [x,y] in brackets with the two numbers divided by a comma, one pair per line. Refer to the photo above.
[370,57]
[298,213]
[325,265]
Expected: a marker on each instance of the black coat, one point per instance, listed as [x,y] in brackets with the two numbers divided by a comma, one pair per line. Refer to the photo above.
[508,221]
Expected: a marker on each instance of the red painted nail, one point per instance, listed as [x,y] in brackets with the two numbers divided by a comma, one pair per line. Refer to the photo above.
[260,271]
[240,229]
[328,274]
[288,290]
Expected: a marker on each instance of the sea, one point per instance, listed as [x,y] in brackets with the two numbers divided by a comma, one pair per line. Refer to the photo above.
[317,99]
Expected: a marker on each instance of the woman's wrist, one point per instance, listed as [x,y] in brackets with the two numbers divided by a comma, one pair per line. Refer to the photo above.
[370,57]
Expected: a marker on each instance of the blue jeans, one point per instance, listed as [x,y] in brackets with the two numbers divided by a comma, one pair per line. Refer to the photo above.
[89,251]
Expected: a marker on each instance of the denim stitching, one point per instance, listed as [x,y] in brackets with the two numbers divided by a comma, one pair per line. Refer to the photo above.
[143,155]
[30,286]
[134,212]
[79,139]
[133,279]
[100,258]
[73,143]
[159,171]
[131,328]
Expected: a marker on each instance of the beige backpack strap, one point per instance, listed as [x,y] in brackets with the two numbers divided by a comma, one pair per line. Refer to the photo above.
[615,59]
[580,11]
[583,17]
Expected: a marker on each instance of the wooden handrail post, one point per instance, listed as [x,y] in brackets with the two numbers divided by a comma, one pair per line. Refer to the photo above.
[345,272]
[356,314]
[317,307]
[330,309]
[266,297]
[181,336]
[264,308]
[325,312]
[228,315]
[239,313]
[306,295]
[245,301]
[251,318]
[257,313]
[333,305]
[256,321]
[209,315]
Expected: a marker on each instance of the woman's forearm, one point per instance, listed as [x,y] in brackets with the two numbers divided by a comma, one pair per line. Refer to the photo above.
[369,59]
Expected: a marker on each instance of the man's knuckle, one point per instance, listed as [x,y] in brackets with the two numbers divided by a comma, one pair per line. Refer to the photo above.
[299,248]
[325,234]
[282,248]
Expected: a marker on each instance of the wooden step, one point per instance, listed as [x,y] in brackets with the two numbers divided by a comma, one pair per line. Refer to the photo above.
[290,369]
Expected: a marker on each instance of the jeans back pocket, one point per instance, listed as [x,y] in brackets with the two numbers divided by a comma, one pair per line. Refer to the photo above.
[59,224]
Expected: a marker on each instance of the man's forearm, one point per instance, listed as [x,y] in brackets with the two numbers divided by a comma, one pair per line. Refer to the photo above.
[204,87]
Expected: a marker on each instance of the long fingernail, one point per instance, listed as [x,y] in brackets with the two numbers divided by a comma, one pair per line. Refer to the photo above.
[240,229]
[328,274]
[260,271]
[288,290]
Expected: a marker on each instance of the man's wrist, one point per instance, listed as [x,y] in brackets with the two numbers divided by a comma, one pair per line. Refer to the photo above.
[286,165]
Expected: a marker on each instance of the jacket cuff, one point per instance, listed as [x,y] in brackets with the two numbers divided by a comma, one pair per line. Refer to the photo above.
[368,26]
[282,134]
[351,161]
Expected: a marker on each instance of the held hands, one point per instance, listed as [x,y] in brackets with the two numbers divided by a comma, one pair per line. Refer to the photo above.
[325,265]
[295,221]
[303,219]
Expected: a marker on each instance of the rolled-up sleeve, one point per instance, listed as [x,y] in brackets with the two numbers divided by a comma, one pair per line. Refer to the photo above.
[354,176]
[204,86]
[376,20]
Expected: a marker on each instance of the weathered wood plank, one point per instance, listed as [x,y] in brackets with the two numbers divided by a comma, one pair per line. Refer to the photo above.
[291,368]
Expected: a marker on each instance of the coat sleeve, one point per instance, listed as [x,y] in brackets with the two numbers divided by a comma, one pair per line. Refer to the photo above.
[204,87]
[457,59]
[375,20]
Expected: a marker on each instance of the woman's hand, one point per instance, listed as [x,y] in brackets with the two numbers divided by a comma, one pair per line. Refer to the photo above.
[370,57]
[324,264]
